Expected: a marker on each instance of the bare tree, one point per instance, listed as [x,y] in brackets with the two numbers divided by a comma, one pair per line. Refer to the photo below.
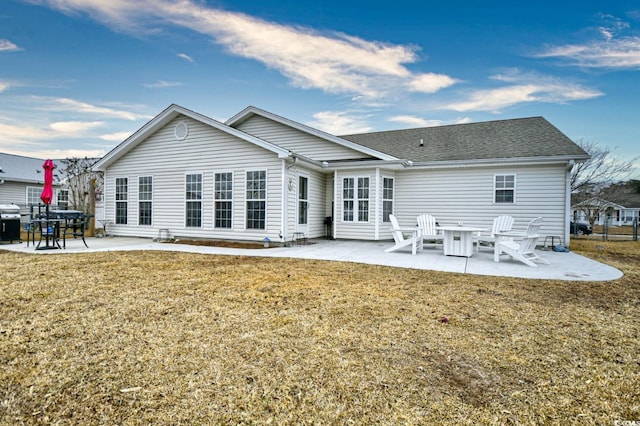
[594,182]
[601,170]
[82,183]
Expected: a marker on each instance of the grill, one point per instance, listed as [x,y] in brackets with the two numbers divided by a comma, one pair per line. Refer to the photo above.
[9,223]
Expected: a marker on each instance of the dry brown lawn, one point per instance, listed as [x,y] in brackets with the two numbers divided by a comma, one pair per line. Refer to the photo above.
[175,338]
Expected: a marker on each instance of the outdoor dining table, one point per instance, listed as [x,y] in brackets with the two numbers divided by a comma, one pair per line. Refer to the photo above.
[458,240]
[49,229]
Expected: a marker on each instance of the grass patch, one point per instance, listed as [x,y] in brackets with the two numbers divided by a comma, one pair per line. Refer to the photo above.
[170,338]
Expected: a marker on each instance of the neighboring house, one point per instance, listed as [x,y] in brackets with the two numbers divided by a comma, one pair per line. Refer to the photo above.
[261,175]
[623,212]
[21,182]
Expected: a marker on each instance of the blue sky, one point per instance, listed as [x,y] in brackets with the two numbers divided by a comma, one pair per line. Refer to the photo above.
[79,76]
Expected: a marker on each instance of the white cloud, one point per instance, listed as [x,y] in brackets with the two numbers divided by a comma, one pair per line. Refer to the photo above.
[33,133]
[412,120]
[74,128]
[3,86]
[339,122]
[72,105]
[186,57]
[523,88]
[610,53]
[161,84]
[8,46]
[115,137]
[333,62]
[431,83]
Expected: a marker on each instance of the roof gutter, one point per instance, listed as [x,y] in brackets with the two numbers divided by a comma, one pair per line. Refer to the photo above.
[367,164]
[521,161]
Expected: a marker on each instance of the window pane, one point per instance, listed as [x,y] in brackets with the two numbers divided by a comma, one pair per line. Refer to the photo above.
[257,193]
[121,200]
[63,199]
[256,214]
[223,195]
[121,212]
[145,196]
[348,211]
[505,188]
[193,207]
[223,214]
[194,214]
[302,212]
[347,188]
[363,188]
[144,217]
[256,185]
[194,187]
[33,195]
[363,211]
[387,198]
[504,196]
[121,189]
[387,209]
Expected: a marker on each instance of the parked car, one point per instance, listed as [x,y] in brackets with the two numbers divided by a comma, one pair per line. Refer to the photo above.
[581,228]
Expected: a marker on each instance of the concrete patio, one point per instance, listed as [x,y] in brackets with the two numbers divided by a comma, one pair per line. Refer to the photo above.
[564,266]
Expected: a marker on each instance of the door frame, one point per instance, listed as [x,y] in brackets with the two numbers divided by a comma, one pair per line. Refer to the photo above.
[302,227]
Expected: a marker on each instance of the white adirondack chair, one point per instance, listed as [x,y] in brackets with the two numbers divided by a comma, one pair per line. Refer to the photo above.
[415,240]
[427,224]
[522,250]
[500,224]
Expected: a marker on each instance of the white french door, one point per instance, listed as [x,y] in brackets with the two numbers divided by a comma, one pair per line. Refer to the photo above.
[302,210]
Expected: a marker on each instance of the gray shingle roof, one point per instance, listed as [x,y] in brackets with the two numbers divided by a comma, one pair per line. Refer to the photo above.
[17,168]
[515,138]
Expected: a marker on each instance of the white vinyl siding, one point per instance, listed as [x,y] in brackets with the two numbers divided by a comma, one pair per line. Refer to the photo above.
[297,141]
[466,195]
[316,203]
[207,151]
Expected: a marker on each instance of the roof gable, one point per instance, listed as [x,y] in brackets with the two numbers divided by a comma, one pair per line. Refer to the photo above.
[503,139]
[250,111]
[164,118]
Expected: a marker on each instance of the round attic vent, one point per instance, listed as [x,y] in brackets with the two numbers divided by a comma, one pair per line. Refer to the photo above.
[181,131]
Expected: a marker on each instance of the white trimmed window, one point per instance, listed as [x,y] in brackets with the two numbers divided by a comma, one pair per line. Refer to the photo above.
[355,199]
[223,200]
[122,204]
[33,195]
[145,200]
[256,199]
[387,198]
[193,200]
[504,189]
[62,199]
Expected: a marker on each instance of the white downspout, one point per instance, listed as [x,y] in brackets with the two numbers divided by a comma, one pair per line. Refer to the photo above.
[376,225]
[567,215]
[335,204]
[285,203]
